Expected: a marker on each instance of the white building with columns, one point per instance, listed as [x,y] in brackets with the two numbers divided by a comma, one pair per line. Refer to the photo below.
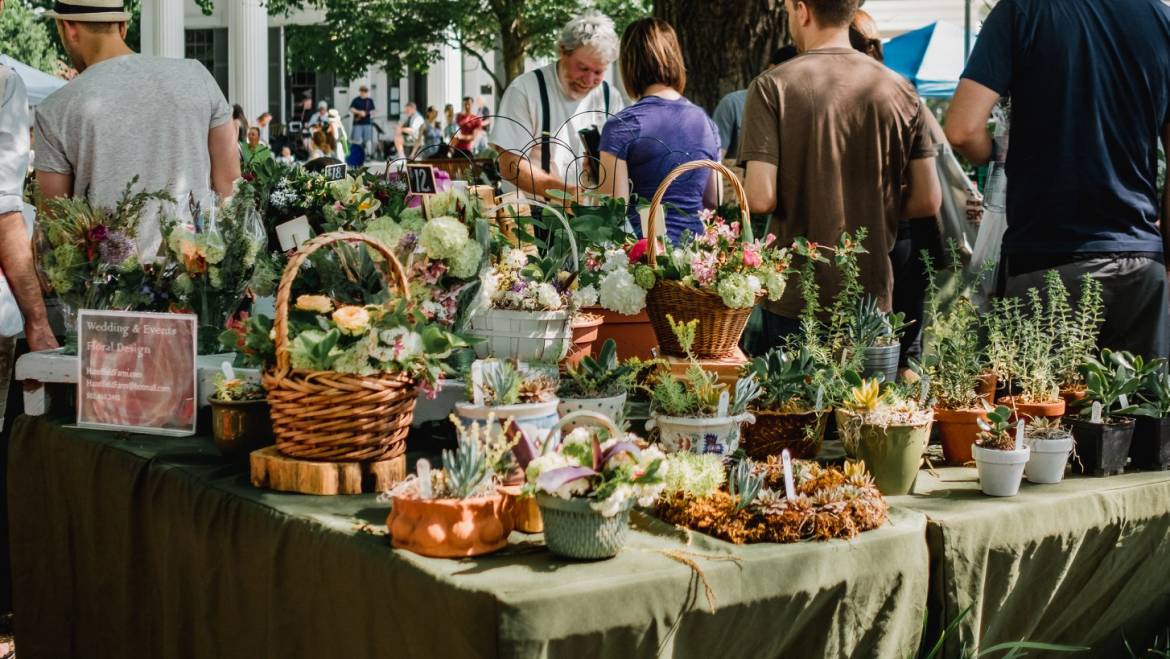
[244,48]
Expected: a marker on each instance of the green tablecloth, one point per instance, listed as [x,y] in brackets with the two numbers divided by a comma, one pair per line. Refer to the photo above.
[1080,562]
[136,546]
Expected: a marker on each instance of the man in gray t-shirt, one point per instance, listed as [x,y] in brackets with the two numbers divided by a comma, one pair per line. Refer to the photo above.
[125,115]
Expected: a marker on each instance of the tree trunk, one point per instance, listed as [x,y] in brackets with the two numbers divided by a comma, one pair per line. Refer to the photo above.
[512,48]
[725,44]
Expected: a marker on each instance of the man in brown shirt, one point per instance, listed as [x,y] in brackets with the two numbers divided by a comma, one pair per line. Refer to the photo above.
[835,141]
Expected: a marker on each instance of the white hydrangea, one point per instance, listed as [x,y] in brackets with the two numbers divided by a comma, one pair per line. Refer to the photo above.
[548,297]
[515,258]
[754,284]
[615,502]
[585,296]
[615,259]
[406,344]
[775,284]
[620,293]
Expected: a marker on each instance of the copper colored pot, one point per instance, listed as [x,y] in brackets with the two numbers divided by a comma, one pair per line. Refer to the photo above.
[958,429]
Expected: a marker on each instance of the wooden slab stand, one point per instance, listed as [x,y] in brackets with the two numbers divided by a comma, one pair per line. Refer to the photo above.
[727,370]
[274,471]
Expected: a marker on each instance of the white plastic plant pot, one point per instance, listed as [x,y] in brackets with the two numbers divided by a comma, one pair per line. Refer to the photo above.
[718,435]
[1000,472]
[523,335]
[611,406]
[535,419]
[1048,460]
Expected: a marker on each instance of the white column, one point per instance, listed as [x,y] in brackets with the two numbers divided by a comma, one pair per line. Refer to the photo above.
[248,56]
[162,28]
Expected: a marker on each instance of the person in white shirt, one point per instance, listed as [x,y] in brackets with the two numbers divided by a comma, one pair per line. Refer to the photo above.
[411,127]
[561,99]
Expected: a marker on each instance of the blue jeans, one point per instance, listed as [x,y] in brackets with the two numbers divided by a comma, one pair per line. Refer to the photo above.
[363,134]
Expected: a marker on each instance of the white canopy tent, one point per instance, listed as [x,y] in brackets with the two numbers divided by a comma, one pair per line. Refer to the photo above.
[38,83]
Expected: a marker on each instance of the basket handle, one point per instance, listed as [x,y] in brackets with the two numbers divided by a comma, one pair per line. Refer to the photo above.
[280,324]
[548,207]
[745,218]
[596,418]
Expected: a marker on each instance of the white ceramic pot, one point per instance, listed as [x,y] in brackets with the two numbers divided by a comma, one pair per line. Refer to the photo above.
[699,434]
[612,407]
[535,419]
[1048,460]
[522,335]
[1000,472]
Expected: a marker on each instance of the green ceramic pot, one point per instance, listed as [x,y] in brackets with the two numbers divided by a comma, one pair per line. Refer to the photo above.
[574,530]
[892,454]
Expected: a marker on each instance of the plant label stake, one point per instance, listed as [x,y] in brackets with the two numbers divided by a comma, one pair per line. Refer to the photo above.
[1020,434]
[423,469]
[789,486]
[1124,400]
[477,382]
[820,397]
[229,373]
[1096,418]
[723,404]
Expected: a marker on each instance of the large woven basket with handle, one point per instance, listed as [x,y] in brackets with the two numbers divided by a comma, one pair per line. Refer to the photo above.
[339,417]
[720,326]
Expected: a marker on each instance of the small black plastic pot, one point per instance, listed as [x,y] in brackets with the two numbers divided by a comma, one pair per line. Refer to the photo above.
[1102,448]
[1150,449]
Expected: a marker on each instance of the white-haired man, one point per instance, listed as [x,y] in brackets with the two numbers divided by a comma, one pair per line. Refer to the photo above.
[537,128]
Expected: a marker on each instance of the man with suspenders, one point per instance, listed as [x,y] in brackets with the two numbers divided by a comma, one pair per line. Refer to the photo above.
[537,131]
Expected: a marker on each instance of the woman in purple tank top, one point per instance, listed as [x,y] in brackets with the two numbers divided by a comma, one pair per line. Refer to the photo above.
[643,142]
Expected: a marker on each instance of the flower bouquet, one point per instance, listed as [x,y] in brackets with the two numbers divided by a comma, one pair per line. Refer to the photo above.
[586,486]
[749,502]
[341,377]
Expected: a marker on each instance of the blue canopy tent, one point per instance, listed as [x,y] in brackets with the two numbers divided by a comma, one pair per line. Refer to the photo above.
[931,57]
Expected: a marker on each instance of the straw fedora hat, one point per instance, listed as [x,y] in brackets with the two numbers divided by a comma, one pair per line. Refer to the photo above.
[90,11]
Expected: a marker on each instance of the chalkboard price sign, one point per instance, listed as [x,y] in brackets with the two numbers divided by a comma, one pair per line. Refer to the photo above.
[421,179]
[335,172]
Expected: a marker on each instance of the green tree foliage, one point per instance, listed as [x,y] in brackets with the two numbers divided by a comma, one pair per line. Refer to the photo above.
[26,37]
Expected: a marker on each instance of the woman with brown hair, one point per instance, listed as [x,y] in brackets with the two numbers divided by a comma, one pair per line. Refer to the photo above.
[643,142]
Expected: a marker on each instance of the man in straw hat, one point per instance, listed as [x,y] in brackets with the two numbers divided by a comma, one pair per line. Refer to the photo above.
[125,115]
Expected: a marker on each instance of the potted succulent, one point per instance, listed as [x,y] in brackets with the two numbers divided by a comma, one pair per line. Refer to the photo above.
[507,390]
[999,456]
[888,431]
[1073,332]
[695,412]
[586,486]
[878,335]
[1019,350]
[1150,448]
[457,510]
[239,416]
[790,412]
[953,360]
[1103,435]
[1050,443]
[598,385]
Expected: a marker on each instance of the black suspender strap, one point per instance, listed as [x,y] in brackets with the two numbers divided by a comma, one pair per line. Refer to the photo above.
[545,121]
[605,92]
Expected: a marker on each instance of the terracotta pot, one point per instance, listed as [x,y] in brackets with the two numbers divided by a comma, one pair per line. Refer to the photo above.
[775,431]
[633,334]
[1053,409]
[239,427]
[958,429]
[450,528]
[1072,397]
[523,509]
[585,327]
[986,389]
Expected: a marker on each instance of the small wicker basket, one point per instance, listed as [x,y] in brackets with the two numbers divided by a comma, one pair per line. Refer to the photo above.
[330,416]
[720,326]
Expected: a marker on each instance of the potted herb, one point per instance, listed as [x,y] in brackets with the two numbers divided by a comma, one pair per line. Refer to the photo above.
[1102,434]
[587,485]
[695,412]
[598,385]
[507,390]
[887,431]
[1150,448]
[790,411]
[1073,332]
[953,358]
[878,335]
[1050,443]
[239,416]
[999,457]
[455,511]
[1019,349]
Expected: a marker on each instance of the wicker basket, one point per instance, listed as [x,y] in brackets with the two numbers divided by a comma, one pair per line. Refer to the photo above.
[775,431]
[325,415]
[720,326]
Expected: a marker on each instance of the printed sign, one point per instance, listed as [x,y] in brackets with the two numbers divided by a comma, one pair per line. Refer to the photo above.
[420,179]
[334,172]
[292,233]
[136,371]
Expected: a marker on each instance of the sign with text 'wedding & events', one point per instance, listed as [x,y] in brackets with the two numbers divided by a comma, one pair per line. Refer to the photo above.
[136,371]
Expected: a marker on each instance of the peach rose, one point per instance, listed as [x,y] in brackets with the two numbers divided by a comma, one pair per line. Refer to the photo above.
[315,303]
[352,320]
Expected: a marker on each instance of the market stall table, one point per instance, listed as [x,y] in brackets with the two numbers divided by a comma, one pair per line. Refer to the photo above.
[1078,563]
[137,546]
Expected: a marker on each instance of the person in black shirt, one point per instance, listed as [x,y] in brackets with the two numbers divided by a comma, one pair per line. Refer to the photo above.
[1089,83]
[362,109]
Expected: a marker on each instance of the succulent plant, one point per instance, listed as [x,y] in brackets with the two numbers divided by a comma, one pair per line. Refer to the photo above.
[871,326]
[465,468]
[865,397]
[597,378]
[786,378]
[744,484]
[997,430]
